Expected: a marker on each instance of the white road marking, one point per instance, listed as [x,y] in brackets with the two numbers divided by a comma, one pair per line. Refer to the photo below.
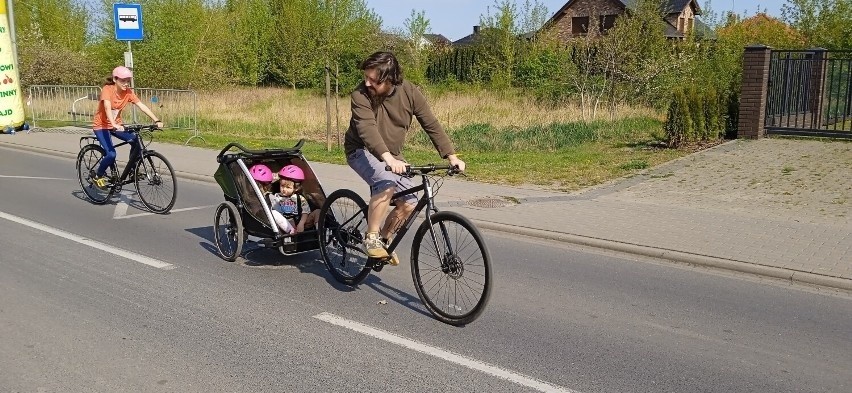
[121,206]
[170,211]
[508,375]
[91,243]
[34,177]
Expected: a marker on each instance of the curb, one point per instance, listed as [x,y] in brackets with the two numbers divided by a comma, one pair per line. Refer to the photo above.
[790,275]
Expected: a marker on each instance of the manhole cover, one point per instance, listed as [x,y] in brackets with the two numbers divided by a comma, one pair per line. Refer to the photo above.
[489,202]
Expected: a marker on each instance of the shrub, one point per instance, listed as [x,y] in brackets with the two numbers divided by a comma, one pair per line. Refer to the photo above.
[678,125]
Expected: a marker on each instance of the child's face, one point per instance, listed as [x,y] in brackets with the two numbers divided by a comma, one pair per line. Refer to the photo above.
[287,187]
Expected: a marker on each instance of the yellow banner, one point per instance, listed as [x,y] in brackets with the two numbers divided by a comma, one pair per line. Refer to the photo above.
[11,99]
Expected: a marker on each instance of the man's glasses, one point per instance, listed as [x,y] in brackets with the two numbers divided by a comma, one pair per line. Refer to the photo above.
[125,81]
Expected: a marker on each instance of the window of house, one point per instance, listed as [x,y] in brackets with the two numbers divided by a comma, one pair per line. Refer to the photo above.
[606,22]
[680,25]
[691,24]
[580,24]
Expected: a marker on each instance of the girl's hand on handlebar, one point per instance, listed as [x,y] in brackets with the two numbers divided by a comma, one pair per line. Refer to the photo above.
[456,162]
[158,124]
[119,128]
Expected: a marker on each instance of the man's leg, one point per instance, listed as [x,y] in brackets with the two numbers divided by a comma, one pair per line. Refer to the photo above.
[395,219]
[379,204]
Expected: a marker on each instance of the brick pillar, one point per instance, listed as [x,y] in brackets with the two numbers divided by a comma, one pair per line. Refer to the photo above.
[817,86]
[753,92]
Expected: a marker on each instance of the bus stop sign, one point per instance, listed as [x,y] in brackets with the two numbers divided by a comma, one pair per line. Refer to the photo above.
[128,22]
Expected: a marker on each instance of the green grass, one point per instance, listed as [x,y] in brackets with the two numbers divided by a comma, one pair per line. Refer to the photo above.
[567,157]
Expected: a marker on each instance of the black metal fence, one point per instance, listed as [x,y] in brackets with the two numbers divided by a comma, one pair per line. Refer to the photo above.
[810,93]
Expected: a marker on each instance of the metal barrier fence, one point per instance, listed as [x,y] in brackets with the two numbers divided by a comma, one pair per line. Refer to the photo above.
[60,105]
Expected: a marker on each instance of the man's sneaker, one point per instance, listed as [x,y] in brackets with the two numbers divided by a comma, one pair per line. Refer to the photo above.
[394,259]
[374,247]
[100,182]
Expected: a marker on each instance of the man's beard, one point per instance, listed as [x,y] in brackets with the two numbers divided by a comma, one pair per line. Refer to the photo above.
[376,99]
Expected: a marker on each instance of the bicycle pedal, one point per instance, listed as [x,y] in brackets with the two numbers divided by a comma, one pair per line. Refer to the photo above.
[376,264]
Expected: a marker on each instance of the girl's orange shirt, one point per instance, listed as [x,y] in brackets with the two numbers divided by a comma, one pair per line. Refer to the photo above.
[118,101]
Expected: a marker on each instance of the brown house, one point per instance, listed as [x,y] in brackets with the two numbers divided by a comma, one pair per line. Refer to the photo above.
[576,16]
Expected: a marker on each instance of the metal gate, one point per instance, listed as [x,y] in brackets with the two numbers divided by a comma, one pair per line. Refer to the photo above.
[810,93]
[57,106]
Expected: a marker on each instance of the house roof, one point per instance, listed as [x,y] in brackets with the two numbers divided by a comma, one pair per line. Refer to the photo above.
[671,7]
[437,39]
[469,39]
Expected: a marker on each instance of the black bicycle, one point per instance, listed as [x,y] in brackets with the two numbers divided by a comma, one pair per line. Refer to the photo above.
[450,263]
[151,173]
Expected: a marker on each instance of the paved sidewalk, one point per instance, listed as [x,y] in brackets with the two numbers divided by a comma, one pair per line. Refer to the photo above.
[772,207]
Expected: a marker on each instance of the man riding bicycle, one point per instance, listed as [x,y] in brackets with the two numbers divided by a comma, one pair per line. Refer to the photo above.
[382,109]
[115,95]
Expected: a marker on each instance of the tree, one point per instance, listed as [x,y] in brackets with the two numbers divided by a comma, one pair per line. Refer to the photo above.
[249,51]
[644,62]
[824,23]
[309,33]
[51,41]
[499,43]
[416,49]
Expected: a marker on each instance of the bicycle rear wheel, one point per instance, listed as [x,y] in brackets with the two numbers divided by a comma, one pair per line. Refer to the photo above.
[451,268]
[155,182]
[342,223]
[88,160]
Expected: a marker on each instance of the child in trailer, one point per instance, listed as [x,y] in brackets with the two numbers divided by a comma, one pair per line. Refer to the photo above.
[290,208]
[262,175]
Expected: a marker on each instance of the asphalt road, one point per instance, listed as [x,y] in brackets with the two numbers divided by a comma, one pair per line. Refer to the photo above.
[110,298]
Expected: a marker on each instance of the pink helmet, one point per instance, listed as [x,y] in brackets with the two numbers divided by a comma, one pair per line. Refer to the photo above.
[122,72]
[293,173]
[260,172]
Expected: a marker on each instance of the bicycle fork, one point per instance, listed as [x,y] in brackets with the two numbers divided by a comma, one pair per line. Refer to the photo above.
[449,263]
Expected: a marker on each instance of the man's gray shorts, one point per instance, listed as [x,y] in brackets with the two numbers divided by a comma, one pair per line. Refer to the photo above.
[372,170]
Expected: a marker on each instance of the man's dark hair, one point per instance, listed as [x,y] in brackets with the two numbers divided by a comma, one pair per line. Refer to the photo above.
[386,66]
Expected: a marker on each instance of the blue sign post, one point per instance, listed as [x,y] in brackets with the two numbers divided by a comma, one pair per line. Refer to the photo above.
[128,22]
[128,27]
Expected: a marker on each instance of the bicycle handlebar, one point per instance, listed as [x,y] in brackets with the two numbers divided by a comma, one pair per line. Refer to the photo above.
[139,127]
[415,170]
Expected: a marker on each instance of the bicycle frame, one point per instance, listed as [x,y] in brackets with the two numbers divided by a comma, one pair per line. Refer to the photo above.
[426,201]
[123,178]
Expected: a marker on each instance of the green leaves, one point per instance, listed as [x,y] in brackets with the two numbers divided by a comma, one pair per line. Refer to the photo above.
[825,23]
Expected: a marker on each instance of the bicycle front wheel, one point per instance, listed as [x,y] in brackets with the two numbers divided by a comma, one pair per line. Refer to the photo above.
[88,160]
[155,182]
[451,268]
[342,223]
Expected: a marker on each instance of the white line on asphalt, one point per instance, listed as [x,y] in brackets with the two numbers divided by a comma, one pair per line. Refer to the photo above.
[121,206]
[170,211]
[511,376]
[33,177]
[91,243]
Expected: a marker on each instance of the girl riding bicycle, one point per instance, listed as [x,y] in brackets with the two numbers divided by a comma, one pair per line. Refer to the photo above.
[115,95]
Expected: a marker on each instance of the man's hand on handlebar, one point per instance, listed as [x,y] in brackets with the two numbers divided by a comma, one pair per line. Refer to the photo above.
[456,162]
[396,166]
